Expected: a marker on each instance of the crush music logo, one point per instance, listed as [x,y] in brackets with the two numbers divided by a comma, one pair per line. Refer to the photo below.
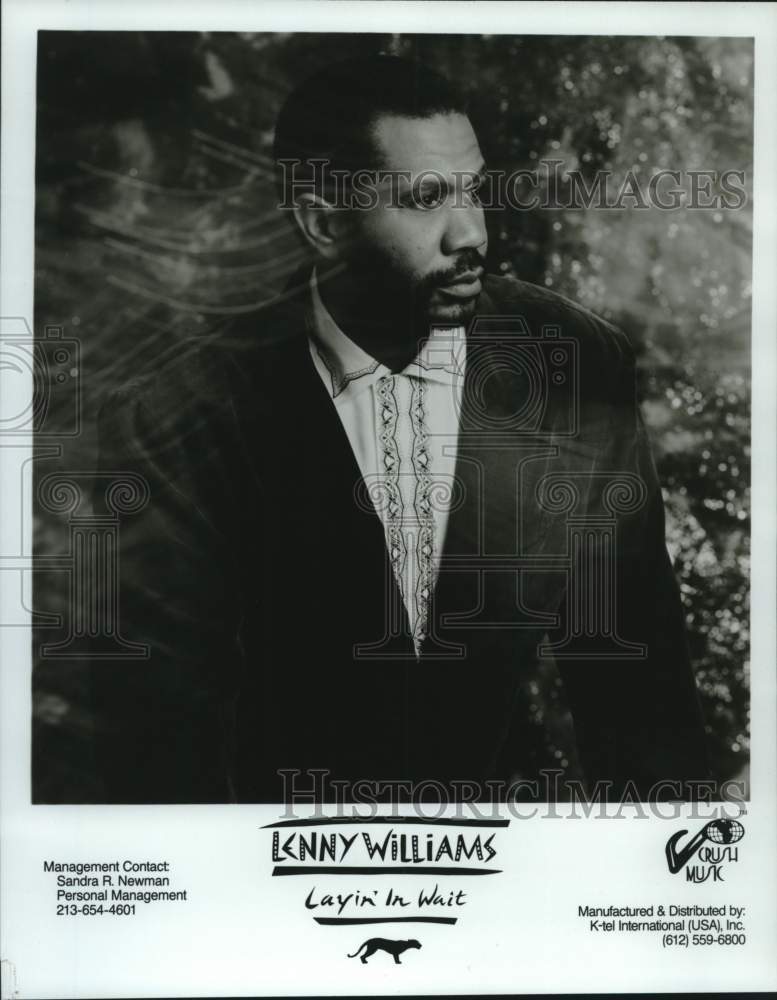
[713,846]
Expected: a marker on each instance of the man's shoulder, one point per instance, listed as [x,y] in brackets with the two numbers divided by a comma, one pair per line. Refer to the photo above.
[186,377]
[600,341]
[210,370]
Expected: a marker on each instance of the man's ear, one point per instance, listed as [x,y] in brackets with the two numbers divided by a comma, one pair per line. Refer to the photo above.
[322,225]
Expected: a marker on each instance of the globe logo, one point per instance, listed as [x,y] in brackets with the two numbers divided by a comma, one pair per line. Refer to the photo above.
[722,832]
[725,831]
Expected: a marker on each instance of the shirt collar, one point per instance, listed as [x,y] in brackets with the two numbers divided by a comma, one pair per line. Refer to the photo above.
[441,359]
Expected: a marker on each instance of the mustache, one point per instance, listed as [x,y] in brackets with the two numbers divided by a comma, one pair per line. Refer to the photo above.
[466,262]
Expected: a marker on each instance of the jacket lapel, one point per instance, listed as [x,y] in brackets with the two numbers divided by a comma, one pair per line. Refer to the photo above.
[332,529]
[494,510]
[495,517]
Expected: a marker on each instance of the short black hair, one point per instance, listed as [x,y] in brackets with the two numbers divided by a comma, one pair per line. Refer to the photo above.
[329,116]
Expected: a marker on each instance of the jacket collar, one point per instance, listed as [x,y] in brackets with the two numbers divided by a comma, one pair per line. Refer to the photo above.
[345,366]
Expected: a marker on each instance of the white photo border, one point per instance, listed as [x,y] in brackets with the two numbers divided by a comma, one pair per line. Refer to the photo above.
[22,822]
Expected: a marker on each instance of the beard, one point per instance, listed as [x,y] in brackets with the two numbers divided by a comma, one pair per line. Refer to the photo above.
[399,307]
[438,304]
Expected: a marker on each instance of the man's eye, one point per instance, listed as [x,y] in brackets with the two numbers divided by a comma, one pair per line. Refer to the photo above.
[429,199]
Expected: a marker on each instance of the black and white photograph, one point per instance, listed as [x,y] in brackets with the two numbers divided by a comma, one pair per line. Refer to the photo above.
[414,441]
[386,474]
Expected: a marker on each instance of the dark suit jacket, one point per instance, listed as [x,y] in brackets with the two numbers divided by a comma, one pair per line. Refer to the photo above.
[259,578]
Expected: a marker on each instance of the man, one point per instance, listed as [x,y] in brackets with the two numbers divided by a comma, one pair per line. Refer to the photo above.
[374,503]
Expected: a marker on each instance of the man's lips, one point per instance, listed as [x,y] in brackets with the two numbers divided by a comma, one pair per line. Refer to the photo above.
[464,286]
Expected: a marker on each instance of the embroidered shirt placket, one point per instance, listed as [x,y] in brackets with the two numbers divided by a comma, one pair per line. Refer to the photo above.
[394,506]
[423,514]
[399,426]
[406,494]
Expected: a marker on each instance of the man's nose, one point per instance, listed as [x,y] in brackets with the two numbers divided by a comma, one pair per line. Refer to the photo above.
[466,228]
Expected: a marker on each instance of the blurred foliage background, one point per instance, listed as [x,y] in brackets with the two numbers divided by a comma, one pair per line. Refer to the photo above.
[156,216]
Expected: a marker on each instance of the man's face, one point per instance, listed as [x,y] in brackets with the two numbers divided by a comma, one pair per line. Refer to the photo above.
[424,258]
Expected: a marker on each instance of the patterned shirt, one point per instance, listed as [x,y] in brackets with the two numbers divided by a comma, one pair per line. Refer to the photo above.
[403,429]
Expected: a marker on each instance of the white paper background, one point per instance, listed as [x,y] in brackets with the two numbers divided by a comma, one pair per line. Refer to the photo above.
[245,933]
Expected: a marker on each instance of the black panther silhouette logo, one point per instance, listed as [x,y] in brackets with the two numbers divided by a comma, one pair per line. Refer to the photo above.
[394,948]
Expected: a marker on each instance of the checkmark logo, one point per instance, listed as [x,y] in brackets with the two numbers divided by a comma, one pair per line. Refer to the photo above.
[678,859]
[720,831]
